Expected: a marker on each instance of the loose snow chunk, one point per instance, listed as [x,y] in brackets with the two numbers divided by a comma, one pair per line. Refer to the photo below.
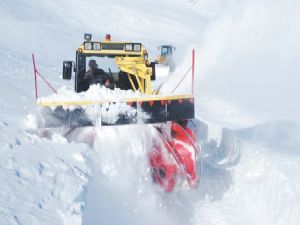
[95,92]
[57,138]
[31,121]
[79,157]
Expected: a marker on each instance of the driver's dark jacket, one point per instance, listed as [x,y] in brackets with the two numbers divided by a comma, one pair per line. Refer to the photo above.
[96,76]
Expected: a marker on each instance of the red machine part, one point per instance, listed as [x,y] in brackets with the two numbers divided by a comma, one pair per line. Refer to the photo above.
[174,156]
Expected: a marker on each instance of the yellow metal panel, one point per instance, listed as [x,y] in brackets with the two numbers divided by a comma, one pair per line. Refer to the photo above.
[111,51]
[103,101]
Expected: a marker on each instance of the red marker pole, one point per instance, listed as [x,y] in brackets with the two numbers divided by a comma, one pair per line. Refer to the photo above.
[35,83]
[193,71]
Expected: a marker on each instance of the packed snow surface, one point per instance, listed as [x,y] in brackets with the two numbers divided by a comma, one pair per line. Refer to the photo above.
[247,103]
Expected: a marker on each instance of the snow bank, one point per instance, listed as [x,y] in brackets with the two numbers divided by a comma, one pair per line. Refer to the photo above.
[43,181]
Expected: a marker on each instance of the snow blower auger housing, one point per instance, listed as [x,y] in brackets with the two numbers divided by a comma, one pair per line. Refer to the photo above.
[135,73]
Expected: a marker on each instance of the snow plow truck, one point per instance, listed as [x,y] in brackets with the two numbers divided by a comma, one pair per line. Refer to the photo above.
[173,156]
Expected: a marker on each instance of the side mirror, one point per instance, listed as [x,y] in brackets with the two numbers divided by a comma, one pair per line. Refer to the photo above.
[158,48]
[67,70]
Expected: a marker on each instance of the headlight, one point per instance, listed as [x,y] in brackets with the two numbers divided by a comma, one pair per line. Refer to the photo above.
[96,46]
[137,47]
[128,47]
[88,46]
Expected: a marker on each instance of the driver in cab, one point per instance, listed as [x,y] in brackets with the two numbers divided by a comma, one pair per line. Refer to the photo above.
[94,75]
